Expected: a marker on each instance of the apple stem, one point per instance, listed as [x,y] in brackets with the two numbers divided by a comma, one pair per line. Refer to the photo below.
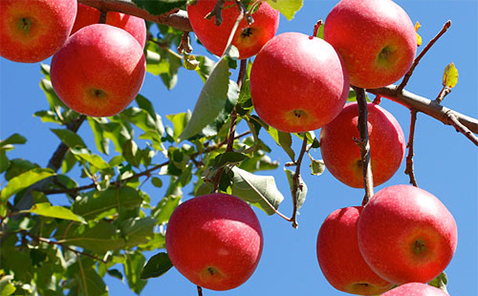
[199,291]
[409,170]
[103,14]
[364,144]
[407,76]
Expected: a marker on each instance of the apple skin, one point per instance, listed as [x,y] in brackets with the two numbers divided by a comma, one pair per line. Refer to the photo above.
[298,83]
[415,289]
[88,15]
[33,30]
[99,71]
[406,234]
[215,241]
[248,39]
[339,256]
[376,39]
[342,156]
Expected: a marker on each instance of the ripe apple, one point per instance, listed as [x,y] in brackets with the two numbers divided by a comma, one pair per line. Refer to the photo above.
[415,289]
[215,241]
[376,39]
[99,71]
[406,234]
[33,30]
[248,39]
[339,256]
[298,83]
[342,156]
[88,15]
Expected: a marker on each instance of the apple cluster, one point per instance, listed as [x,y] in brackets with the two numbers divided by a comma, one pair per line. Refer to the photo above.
[404,235]
[97,69]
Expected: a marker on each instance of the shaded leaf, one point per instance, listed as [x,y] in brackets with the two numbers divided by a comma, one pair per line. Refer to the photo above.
[25,180]
[180,121]
[317,166]
[440,282]
[157,265]
[158,7]
[133,266]
[250,187]
[229,157]
[137,231]
[6,286]
[165,208]
[93,159]
[301,187]
[218,96]
[47,210]
[13,139]
[97,205]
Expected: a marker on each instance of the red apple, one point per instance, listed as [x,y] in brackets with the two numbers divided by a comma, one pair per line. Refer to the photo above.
[88,15]
[298,83]
[406,234]
[339,256]
[376,39]
[33,30]
[99,71]
[342,156]
[248,39]
[415,289]
[215,241]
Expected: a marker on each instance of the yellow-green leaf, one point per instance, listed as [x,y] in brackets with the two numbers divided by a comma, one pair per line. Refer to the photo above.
[288,8]
[24,180]
[47,210]
[450,76]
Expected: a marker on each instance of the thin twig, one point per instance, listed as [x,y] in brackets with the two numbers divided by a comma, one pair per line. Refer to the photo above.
[364,144]
[407,76]
[199,291]
[185,44]
[453,120]
[247,15]
[409,170]
[50,242]
[443,93]
[317,28]
[103,15]
[295,183]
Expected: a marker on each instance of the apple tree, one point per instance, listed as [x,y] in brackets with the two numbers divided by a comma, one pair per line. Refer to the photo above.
[109,171]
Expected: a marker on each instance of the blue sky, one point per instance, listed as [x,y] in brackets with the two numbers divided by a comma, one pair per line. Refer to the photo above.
[446,163]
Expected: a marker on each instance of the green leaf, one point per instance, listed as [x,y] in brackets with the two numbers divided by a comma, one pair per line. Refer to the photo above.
[440,282]
[301,187]
[133,266]
[115,273]
[206,65]
[288,8]
[165,208]
[137,231]
[228,158]
[70,138]
[4,161]
[25,180]
[101,142]
[99,238]
[218,96]
[93,159]
[158,7]
[251,187]
[47,210]
[317,166]
[13,139]
[97,205]
[450,76]
[156,182]
[157,265]
[6,286]
[320,30]
[180,121]
[88,281]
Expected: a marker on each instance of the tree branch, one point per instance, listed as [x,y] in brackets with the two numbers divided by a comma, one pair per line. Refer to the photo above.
[364,144]
[296,181]
[177,19]
[424,105]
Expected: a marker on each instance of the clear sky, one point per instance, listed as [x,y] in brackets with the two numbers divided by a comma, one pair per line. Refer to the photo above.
[446,163]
